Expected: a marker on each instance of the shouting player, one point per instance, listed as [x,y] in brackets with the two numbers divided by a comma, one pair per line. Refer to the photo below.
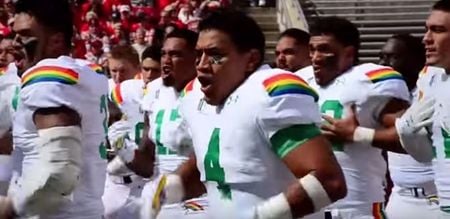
[257,148]
[60,124]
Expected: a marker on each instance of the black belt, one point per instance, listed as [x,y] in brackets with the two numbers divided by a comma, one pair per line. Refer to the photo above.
[127,179]
[328,215]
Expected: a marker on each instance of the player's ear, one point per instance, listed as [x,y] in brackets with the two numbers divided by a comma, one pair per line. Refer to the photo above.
[56,42]
[254,60]
[350,52]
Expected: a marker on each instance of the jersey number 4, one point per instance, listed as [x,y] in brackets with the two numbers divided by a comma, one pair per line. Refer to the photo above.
[334,109]
[213,171]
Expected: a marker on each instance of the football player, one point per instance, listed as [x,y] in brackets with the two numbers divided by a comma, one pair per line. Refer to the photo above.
[60,124]
[378,92]
[258,151]
[429,111]
[123,187]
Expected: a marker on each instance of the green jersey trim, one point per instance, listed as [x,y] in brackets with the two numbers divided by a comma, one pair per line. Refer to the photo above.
[287,139]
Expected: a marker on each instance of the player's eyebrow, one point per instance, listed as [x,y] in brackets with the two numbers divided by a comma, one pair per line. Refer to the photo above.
[209,50]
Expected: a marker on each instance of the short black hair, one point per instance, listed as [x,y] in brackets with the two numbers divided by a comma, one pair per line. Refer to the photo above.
[442,5]
[301,37]
[344,31]
[414,46]
[243,31]
[56,15]
[189,36]
[152,52]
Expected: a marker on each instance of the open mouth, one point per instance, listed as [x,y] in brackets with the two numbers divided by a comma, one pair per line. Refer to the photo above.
[316,69]
[165,71]
[206,82]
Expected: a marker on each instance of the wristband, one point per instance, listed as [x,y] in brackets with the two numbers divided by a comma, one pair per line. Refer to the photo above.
[276,207]
[363,134]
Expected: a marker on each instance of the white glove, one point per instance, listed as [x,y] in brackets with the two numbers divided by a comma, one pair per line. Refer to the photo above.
[276,207]
[124,154]
[120,141]
[412,133]
[117,130]
[418,115]
[117,167]
[165,189]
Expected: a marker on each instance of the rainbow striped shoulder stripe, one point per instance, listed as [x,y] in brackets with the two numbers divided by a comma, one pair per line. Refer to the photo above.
[2,71]
[50,74]
[424,71]
[285,83]
[96,68]
[383,74]
[193,206]
[188,88]
[116,95]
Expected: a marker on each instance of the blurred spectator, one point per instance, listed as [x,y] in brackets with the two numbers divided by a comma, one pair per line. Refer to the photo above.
[102,24]
[125,17]
[139,41]
[186,13]
[95,52]
[106,44]
[161,4]
[9,7]
[92,28]
[155,37]
[109,6]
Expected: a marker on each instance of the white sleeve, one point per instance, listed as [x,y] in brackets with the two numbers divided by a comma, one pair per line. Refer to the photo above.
[290,117]
[289,108]
[379,94]
[47,95]
[6,97]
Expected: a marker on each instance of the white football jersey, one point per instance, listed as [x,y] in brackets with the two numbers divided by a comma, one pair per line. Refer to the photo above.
[407,172]
[111,85]
[239,145]
[435,82]
[128,97]
[161,104]
[370,87]
[9,89]
[62,82]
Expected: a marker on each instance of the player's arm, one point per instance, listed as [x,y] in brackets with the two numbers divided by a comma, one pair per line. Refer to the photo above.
[59,148]
[288,122]
[408,134]
[320,178]
[349,130]
[190,178]
[174,188]
[387,138]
